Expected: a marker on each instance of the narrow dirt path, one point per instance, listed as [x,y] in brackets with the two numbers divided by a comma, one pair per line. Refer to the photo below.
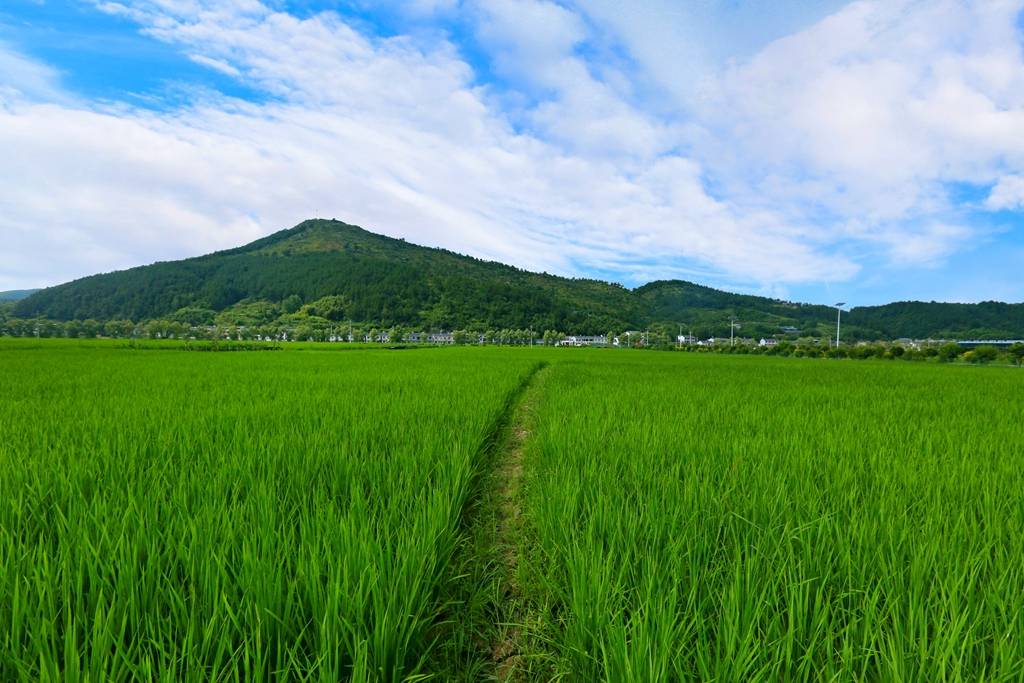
[507,648]
[483,638]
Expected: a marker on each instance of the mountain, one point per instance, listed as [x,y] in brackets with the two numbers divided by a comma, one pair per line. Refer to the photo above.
[917,319]
[330,271]
[369,277]
[17,294]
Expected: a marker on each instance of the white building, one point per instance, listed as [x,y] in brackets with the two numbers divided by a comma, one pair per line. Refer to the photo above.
[441,338]
[584,340]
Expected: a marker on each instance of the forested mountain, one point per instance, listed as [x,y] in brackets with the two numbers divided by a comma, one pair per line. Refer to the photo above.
[17,294]
[345,273]
[916,319]
[328,270]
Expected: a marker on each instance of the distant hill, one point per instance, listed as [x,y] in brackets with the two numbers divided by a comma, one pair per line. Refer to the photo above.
[17,294]
[334,271]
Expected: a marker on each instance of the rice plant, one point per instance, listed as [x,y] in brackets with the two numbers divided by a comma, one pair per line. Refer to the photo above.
[300,516]
[232,517]
[738,519]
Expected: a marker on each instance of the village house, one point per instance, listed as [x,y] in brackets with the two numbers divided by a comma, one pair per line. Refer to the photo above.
[441,338]
[584,340]
[628,337]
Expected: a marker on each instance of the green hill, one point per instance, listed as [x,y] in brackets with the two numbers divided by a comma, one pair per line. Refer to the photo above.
[17,294]
[369,277]
[333,271]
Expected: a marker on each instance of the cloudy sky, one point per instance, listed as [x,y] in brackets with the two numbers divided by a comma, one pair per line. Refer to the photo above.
[810,149]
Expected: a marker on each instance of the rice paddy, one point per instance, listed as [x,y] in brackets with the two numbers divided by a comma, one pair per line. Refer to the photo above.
[315,515]
[232,516]
[746,520]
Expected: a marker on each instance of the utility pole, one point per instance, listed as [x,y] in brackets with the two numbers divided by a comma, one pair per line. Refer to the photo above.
[732,331]
[839,314]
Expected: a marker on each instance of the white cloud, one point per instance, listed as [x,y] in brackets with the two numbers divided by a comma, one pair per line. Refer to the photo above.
[216,64]
[925,246]
[871,113]
[378,132]
[828,144]
[1008,193]
[24,77]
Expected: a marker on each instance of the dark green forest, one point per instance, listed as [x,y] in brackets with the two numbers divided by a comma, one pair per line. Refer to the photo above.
[16,294]
[327,270]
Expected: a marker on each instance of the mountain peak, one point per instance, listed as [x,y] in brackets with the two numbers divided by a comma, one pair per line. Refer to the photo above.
[316,235]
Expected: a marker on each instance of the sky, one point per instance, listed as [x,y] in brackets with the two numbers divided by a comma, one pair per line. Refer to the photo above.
[813,150]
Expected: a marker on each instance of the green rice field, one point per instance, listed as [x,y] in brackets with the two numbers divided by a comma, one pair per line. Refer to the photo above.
[324,513]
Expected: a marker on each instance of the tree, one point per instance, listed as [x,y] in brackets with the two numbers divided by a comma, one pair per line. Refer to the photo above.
[119,328]
[291,303]
[1017,354]
[331,307]
[73,328]
[949,352]
[193,315]
[984,354]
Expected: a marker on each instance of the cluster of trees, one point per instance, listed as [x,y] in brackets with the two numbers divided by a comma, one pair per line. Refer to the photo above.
[948,352]
[42,327]
[295,327]
[293,321]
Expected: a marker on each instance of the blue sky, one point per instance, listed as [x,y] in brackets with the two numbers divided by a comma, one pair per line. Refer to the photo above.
[866,152]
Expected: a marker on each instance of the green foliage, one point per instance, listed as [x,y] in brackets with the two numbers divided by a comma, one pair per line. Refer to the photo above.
[1017,353]
[330,307]
[291,303]
[920,320]
[984,354]
[249,313]
[193,315]
[13,295]
[949,352]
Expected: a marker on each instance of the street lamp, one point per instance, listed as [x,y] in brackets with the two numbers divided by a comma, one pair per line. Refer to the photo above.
[839,313]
